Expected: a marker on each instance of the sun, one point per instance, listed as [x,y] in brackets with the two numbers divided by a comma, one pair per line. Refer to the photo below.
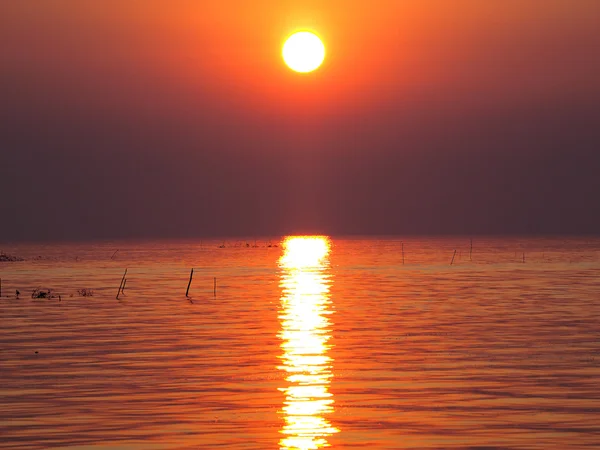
[303,52]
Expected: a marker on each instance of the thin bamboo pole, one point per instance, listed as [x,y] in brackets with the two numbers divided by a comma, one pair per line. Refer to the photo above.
[189,283]
[121,285]
[471,251]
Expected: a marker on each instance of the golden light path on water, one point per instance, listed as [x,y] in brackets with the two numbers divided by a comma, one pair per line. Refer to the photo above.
[305,332]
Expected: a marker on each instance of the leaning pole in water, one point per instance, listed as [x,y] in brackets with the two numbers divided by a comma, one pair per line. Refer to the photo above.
[189,283]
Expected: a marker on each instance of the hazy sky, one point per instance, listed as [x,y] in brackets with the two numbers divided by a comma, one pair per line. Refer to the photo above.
[153,118]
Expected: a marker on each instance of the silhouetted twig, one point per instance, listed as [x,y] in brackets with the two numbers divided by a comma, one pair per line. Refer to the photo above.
[121,285]
[189,283]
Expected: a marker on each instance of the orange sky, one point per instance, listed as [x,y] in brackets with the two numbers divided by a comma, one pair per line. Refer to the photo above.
[416,103]
[392,47]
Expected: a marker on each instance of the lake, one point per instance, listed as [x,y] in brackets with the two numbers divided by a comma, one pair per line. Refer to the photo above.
[302,343]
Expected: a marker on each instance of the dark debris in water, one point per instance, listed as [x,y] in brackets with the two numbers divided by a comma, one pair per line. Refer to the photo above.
[9,258]
[43,293]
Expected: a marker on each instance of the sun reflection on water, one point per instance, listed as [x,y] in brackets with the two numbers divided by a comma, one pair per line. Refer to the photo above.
[305,332]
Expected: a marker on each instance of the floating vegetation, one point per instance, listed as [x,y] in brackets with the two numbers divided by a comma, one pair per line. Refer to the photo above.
[85,292]
[42,293]
[9,258]
[245,244]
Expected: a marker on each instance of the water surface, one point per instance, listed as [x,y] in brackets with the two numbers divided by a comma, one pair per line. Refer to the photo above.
[356,343]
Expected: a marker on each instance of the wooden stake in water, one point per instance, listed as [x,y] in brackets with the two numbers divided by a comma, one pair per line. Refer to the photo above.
[402,252]
[189,283]
[123,288]
[215,287]
[453,256]
[121,285]
[471,251]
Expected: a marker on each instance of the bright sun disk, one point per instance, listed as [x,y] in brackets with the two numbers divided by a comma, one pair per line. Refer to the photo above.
[303,52]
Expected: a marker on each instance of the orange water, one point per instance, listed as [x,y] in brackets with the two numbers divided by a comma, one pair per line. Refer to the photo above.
[314,344]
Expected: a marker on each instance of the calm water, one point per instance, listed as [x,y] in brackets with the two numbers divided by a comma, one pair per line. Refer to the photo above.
[305,345]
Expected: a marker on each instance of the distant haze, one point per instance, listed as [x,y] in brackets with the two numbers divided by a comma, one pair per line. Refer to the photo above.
[131,118]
